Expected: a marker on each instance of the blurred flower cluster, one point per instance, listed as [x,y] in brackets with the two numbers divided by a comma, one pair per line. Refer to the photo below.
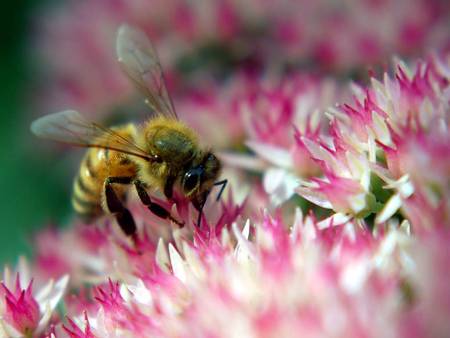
[336,222]
[76,40]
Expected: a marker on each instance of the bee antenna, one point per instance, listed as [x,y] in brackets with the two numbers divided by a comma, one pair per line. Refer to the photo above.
[223,184]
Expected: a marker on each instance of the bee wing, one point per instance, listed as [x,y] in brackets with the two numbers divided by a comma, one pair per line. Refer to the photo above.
[72,128]
[141,63]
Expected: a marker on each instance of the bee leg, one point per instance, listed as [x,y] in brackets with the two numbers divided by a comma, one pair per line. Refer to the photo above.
[116,207]
[155,208]
[168,187]
[223,184]
[199,204]
[200,213]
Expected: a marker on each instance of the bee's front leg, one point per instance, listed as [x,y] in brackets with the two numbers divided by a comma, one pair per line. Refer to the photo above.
[116,207]
[155,208]
[168,187]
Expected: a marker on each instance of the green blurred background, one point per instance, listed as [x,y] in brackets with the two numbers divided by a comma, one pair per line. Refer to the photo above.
[34,183]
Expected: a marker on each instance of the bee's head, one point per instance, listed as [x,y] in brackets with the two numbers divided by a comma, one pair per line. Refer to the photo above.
[200,177]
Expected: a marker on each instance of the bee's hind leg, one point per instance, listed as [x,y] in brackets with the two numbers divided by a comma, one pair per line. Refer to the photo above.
[155,208]
[116,207]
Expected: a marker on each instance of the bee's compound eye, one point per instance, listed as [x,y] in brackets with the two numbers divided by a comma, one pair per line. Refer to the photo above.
[191,180]
[211,158]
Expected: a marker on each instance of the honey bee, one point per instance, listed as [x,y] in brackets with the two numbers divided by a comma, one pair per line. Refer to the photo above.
[161,154]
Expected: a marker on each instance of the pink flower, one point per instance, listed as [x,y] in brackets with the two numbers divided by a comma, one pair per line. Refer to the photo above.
[371,265]
[96,252]
[394,130]
[346,185]
[344,195]
[24,312]
[75,332]
[76,39]
[336,281]
[427,290]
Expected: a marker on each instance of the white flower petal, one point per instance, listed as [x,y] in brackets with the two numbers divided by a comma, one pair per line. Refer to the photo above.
[125,292]
[46,315]
[162,258]
[314,197]
[386,249]
[243,251]
[391,207]
[225,238]
[140,293]
[243,161]
[246,230]
[381,129]
[298,223]
[355,275]
[358,202]
[383,173]
[356,164]
[309,232]
[275,155]
[8,331]
[52,292]
[44,292]
[405,227]
[273,177]
[406,189]
[7,276]
[48,298]
[23,269]
[336,219]
[280,185]
[178,265]
[193,263]
[350,231]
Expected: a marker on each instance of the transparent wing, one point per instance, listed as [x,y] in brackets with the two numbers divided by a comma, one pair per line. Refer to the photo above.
[141,63]
[72,128]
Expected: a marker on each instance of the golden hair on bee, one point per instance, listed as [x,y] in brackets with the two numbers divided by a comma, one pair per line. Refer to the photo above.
[161,154]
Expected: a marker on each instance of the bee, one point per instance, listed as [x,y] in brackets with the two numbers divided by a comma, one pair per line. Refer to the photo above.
[162,154]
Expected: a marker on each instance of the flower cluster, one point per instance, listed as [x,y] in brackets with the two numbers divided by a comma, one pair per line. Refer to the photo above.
[372,266]
[23,311]
[76,40]
[265,280]
[336,221]
[258,280]
[391,134]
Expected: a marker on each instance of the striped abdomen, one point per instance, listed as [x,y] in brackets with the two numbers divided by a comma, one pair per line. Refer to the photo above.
[87,187]
[96,167]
